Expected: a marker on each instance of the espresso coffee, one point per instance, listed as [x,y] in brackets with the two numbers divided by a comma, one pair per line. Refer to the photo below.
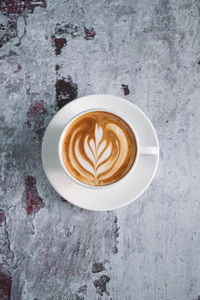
[98,148]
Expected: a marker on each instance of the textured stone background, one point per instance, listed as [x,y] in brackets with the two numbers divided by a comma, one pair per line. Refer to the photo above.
[52,52]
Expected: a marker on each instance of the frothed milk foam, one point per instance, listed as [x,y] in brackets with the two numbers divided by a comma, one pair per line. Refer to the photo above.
[98,148]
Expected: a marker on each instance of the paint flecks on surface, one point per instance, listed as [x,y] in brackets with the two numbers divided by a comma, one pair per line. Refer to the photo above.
[6,253]
[30,5]
[36,116]
[125,89]
[57,67]
[5,285]
[19,67]
[62,31]
[59,38]
[100,285]
[2,217]
[69,28]
[97,267]
[89,33]
[33,201]
[66,91]
[18,7]
[13,9]
[81,293]
[83,289]
[10,31]
[59,44]
[116,235]
[112,234]
[8,7]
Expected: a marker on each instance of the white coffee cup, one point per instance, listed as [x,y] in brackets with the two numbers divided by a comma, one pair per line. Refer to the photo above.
[141,150]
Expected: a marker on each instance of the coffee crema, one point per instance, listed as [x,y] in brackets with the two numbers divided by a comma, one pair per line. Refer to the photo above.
[98,148]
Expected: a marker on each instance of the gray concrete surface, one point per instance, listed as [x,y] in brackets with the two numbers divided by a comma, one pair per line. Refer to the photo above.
[52,52]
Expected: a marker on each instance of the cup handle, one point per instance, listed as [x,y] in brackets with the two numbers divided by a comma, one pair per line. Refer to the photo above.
[150,150]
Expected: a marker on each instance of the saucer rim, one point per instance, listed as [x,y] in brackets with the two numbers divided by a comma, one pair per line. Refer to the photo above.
[117,206]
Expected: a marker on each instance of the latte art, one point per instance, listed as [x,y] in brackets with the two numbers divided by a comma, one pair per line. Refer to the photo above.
[99,148]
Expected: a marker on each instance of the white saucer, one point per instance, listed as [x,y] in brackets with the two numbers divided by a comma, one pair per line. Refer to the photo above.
[121,193]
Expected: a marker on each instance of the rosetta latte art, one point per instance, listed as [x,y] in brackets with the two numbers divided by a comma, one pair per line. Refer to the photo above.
[99,148]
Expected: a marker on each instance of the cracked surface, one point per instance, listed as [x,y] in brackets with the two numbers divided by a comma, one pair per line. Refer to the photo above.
[52,52]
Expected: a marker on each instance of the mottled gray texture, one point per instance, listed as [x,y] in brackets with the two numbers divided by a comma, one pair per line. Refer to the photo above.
[148,50]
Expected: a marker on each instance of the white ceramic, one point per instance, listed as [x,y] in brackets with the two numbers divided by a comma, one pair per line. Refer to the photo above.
[144,150]
[122,192]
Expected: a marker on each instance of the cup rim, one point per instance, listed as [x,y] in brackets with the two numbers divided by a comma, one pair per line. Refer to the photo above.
[95,187]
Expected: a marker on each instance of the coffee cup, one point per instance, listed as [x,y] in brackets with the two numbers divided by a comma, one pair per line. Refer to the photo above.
[121,133]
